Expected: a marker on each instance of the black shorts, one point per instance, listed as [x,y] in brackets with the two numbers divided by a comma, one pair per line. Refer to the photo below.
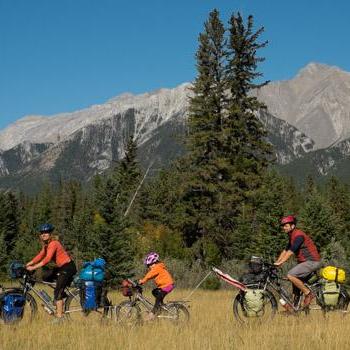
[63,276]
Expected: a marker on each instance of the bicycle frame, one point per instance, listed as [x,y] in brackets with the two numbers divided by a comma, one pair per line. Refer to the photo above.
[276,286]
[28,286]
[138,298]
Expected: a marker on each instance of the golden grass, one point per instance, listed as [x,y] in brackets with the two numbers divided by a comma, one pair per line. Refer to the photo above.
[212,326]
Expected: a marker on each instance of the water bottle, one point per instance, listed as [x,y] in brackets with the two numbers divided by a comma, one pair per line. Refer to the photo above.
[45,296]
[48,310]
[282,302]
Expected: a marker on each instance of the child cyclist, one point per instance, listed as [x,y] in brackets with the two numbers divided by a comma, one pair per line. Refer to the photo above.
[162,279]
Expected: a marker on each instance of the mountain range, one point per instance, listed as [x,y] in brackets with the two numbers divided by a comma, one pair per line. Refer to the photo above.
[307,118]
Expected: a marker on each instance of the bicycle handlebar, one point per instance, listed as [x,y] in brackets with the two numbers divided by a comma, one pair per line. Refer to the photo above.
[135,284]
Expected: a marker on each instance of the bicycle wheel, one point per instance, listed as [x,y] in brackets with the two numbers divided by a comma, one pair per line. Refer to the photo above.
[74,311]
[177,313]
[344,300]
[267,312]
[30,308]
[128,314]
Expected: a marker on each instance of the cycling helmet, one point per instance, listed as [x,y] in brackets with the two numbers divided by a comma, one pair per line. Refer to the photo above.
[46,228]
[151,258]
[290,219]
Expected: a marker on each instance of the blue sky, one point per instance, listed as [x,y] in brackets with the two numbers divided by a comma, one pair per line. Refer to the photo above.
[64,55]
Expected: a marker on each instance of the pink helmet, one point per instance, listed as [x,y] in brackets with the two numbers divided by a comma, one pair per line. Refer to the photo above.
[151,258]
[290,219]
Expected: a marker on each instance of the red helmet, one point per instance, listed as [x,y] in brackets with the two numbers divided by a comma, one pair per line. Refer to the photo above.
[290,219]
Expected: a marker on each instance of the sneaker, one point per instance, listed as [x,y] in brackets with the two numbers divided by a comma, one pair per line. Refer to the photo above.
[308,299]
[288,310]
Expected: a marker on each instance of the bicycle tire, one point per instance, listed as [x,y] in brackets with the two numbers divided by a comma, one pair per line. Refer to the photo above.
[240,313]
[32,305]
[344,299]
[74,311]
[128,314]
[178,312]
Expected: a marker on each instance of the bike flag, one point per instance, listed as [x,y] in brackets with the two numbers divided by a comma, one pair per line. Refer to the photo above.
[230,280]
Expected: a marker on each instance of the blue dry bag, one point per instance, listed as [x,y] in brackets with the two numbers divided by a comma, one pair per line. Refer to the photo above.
[93,270]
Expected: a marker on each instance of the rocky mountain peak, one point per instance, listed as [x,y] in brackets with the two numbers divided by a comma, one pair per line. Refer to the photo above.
[316,101]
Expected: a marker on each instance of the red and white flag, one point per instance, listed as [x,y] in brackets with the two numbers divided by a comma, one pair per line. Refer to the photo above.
[230,280]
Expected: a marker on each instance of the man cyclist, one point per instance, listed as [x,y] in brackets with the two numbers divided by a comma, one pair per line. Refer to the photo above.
[306,253]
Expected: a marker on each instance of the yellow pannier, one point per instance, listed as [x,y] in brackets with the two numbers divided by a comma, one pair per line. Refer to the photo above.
[332,273]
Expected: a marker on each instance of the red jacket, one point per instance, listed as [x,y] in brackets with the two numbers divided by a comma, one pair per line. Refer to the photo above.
[53,251]
[307,251]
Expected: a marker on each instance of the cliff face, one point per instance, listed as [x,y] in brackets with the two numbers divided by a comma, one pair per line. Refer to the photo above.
[307,121]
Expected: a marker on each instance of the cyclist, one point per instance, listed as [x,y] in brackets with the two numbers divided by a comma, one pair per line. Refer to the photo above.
[162,279]
[308,258]
[65,268]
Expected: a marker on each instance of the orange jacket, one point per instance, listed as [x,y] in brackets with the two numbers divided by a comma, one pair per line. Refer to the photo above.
[53,251]
[161,276]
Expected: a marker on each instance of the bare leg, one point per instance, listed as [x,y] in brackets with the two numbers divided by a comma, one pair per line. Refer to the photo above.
[299,284]
[59,308]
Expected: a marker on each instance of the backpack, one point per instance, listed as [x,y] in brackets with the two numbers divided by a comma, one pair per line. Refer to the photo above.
[12,306]
[91,295]
[330,293]
[254,302]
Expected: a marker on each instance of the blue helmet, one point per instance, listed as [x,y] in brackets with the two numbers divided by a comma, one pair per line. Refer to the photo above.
[46,228]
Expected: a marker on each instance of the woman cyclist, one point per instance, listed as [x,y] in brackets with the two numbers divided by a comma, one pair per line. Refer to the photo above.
[52,250]
[162,279]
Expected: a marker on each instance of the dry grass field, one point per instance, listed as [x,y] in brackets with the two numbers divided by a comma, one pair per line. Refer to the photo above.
[212,326]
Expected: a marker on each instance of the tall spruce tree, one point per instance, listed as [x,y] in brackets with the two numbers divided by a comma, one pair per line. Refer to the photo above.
[206,164]
[228,153]
[245,134]
[111,229]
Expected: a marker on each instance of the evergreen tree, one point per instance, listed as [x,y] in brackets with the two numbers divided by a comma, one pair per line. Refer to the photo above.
[246,136]
[68,198]
[270,203]
[111,229]
[228,153]
[317,220]
[3,254]
[9,220]
[205,165]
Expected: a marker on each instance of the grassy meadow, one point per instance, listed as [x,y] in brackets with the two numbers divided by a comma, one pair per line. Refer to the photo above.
[212,326]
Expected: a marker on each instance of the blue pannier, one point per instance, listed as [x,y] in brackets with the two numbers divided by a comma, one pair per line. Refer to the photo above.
[93,271]
[12,306]
[90,295]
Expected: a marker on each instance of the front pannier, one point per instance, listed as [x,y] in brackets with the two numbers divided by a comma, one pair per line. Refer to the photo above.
[254,302]
[12,306]
[126,288]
